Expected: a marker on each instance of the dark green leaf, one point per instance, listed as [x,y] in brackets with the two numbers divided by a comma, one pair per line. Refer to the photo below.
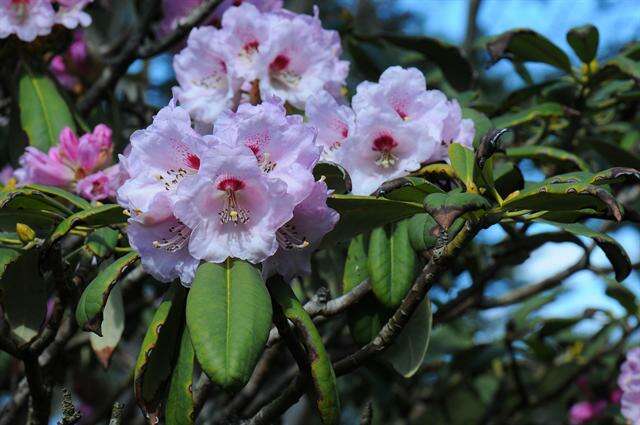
[43,112]
[102,241]
[103,215]
[411,189]
[584,41]
[449,58]
[615,155]
[94,298]
[356,269]
[334,176]
[541,110]
[422,232]
[24,294]
[392,263]
[158,352]
[229,317]
[525,45]
[112,328]
[507,178]
[61,195]
[547,153]
[408,350]
[361,213]
[180,407]
[445,208]
[366,319]
[464,164]
[624,296]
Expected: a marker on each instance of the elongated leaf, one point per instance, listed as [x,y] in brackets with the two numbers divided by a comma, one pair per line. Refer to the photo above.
[547,153]
[392,263]
[112,328]
[7,257]
[612,249]
[320,367]
[356,269]
[180,407]
[624,296]
[60,195]
[43,112]
[361,213]
[334,176]
[99,216]
[525,45]
[445,208]
[31,199]
[91,305]
[563,197]
[507,178]
[604,177]
[366,319]
[449,58]
[102,241]
[158,352]
[464,164]
[411,189]
[407,352]
[615,155]
[24,294]
[423,231]
[584,41]
[541,110]
[229,317]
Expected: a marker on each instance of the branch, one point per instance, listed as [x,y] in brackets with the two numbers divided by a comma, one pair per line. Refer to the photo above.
[39,392]
[185,24]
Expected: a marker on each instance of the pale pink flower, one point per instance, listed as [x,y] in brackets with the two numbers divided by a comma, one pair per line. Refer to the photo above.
[382,149]
[300,59]
[283,145]
[455,129]
[163,244]
[629,382]
[585,411]
[94,187]
[206,84]
[300,236]
[161,156]
[335,123]
[27,19]
[233,208]
[70,13]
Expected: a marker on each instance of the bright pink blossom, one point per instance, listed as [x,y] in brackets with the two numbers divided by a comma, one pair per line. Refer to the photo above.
[233,207]
[68,67]
[27,19]
[585,411]
[94,187]
[300,236]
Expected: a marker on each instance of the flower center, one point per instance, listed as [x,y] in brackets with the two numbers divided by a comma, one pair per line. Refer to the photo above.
[193,161]
[288,238]
[231,212]
[385,144]
[176,240]
[256,144]
[190,161]
[216,80]
[278,69]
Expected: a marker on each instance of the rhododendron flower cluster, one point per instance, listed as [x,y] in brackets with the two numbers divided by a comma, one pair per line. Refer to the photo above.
[28,19]
[629,383]
[393,127]
[80,164]
[257,53]
[244,191]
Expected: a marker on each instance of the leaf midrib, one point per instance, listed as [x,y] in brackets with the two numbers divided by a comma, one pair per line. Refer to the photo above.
[45,113]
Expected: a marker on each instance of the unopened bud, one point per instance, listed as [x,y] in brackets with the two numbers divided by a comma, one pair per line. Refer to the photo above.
[25,233]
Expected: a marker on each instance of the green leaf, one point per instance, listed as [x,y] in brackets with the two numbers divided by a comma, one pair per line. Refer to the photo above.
[362,213]
[620,65]
[320,367]
[412,189]
[90,307]
[422,230]
[464,164]
[334,176]
[366,319]
[445,208]
[30,199]
[612,249]
[541,110]
[481,123]
[180,406]
[103,215]
[356,269]
[584,41]
[407,352]
[229,317]
[614,154]
[158,352]
[43,112]
[604,177]
[8,256]
[449,58]
[525,45]
[112,328]
[507,178]
[563,197]
[61,195]
[23,294]
[392,263]
[547,153]
[102,241]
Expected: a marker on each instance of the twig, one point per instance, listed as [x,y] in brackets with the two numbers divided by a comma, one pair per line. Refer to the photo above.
[116,414]
[367,414]
[39,392]
[70,415]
